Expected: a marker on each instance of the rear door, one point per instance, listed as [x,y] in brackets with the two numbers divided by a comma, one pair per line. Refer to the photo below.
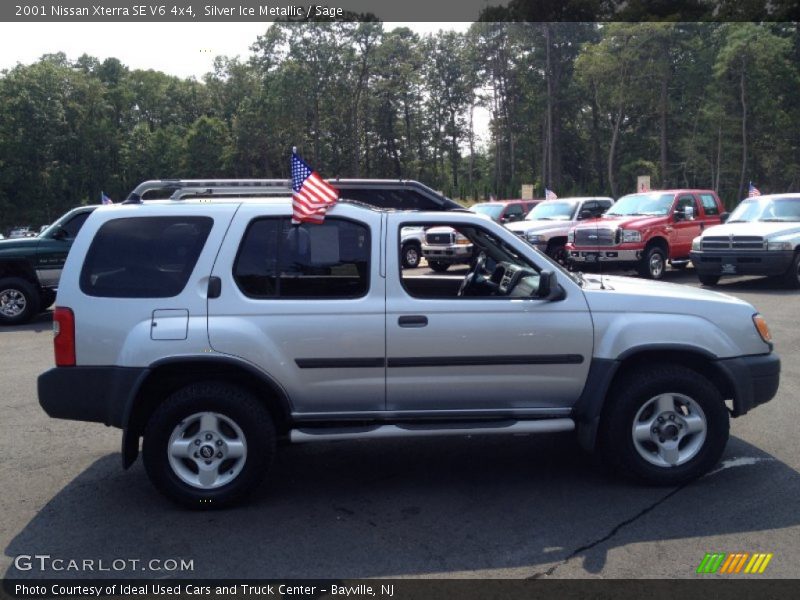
[305,304]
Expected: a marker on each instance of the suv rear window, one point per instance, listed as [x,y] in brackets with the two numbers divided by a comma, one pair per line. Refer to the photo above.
[143,257]
[281,260]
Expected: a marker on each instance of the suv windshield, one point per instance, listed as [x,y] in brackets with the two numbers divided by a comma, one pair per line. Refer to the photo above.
[767,209]
[641,204]
[490,210]
[553,211]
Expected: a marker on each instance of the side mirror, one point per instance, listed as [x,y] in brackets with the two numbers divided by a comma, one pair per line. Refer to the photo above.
[679,215]
[548,287]
[60,234]
[688,213]
[724,217]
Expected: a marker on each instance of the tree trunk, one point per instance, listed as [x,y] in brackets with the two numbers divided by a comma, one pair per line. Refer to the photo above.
[596,160]
[663,115]
[611,150]
[548,147]
[744,128]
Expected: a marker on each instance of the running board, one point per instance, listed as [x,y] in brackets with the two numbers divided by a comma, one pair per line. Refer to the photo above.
[327,434]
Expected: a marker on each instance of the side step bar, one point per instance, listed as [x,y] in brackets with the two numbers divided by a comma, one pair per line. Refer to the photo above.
[327,434]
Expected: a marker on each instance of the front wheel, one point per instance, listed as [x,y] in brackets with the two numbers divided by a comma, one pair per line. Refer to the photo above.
[19,301]
[653,263]
[411,256]
[791,279]
[664,426]
[708,280]
[208,445]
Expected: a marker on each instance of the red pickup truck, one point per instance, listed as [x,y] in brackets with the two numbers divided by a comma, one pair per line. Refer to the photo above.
[646,230]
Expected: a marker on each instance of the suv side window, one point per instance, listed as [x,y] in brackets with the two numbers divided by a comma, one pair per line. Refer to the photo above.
[143,257]
[709,204]
[279,260]
[514,212]
[603,206]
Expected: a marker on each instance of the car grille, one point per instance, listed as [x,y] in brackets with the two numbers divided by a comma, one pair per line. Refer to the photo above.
[440,239]
[595,237]
[733,242]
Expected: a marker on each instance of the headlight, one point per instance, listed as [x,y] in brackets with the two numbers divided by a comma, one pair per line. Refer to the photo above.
[762,328]
[629,235]
[775,246]
[535,238]
[462,240]
[696,243]
[571,237]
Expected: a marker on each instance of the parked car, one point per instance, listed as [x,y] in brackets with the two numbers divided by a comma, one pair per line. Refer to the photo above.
[19,232]
[761,237]
[505,211]
[444,246]
[30,267]
[646,230]
[213,328]
[548,225]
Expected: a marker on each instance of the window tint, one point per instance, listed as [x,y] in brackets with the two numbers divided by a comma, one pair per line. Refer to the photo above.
[709,204]
[73,226]
[143,257]
[281,260]
[514,209]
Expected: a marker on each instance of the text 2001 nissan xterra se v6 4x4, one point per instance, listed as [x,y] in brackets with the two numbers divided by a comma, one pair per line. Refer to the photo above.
[213,328]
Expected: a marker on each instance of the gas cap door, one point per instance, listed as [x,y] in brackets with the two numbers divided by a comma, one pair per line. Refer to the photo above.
[169,324]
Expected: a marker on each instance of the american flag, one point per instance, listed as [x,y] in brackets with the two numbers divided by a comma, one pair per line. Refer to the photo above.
[311,195]
[105,199]
[753,191]
[549,194]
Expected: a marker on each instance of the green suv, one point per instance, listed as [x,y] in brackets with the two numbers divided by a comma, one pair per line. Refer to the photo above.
[31,267]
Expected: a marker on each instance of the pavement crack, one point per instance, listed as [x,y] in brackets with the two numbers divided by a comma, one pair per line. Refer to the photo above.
[549,572]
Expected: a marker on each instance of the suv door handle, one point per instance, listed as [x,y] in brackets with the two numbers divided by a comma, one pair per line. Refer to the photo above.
[413,321]
[214,287]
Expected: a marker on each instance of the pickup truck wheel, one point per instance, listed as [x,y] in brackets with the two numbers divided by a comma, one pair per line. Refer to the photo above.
[411,256]
[653,264]
[791,279]
[558,253]
[19,301]
[708,280]
[439,267]
[664,426]
[208,445]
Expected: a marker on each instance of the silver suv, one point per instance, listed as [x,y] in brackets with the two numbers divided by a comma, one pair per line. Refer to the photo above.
[214,328]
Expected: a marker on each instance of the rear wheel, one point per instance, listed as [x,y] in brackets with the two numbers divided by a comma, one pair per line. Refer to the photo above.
[439,267]
[708,280]
[208,445]
[653,263]
[791,279]
[19,301]
[664,426]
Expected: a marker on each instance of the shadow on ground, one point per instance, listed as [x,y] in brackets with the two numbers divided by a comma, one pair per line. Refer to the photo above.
[405,508]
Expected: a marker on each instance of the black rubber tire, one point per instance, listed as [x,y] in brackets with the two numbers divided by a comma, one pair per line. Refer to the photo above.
[410,255]
[644,264]
[791,279]
[708,280]
[234,402]
[615,441]
[30,294]
[48,298]
[439,267]
[558,253]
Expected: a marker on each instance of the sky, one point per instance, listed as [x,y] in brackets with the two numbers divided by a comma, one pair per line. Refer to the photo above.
[182,49]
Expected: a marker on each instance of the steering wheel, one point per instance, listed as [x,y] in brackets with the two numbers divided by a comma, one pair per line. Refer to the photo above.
[474,277]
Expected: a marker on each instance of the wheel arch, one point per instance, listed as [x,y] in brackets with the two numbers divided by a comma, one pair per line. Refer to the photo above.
[19,267]
[606,374]
[167,376]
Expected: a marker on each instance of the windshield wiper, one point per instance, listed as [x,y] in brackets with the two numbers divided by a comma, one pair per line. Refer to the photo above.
[736,221]
[773,220]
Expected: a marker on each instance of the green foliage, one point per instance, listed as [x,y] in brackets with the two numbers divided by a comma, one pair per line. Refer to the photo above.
[578,107]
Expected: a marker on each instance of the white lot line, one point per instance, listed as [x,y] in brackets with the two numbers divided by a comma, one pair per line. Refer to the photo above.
[742,461]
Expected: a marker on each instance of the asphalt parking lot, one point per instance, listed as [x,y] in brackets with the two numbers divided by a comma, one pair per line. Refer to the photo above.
[521,507]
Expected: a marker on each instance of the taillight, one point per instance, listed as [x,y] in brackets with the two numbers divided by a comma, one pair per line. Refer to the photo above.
[64,337]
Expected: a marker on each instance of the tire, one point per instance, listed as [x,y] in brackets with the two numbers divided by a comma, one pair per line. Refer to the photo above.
[653,264]
[439,267]
[217,418]
[791,279]
[708,280]
[411,254]
[558,253]
[48,297]
[19,301]
[694,426]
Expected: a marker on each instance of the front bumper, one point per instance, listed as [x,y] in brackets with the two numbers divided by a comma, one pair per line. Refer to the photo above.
[741,262]
[447,254]
[754,379]
[593,255]
[94,394]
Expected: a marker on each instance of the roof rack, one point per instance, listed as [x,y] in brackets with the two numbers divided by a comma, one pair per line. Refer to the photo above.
[403,194]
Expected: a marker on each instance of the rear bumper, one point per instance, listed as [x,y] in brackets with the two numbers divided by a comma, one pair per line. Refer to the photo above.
[94,394]
[755,262]
[755,379]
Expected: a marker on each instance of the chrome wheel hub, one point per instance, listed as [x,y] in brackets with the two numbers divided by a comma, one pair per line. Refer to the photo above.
[12,303]
[207,450]
[669,430]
